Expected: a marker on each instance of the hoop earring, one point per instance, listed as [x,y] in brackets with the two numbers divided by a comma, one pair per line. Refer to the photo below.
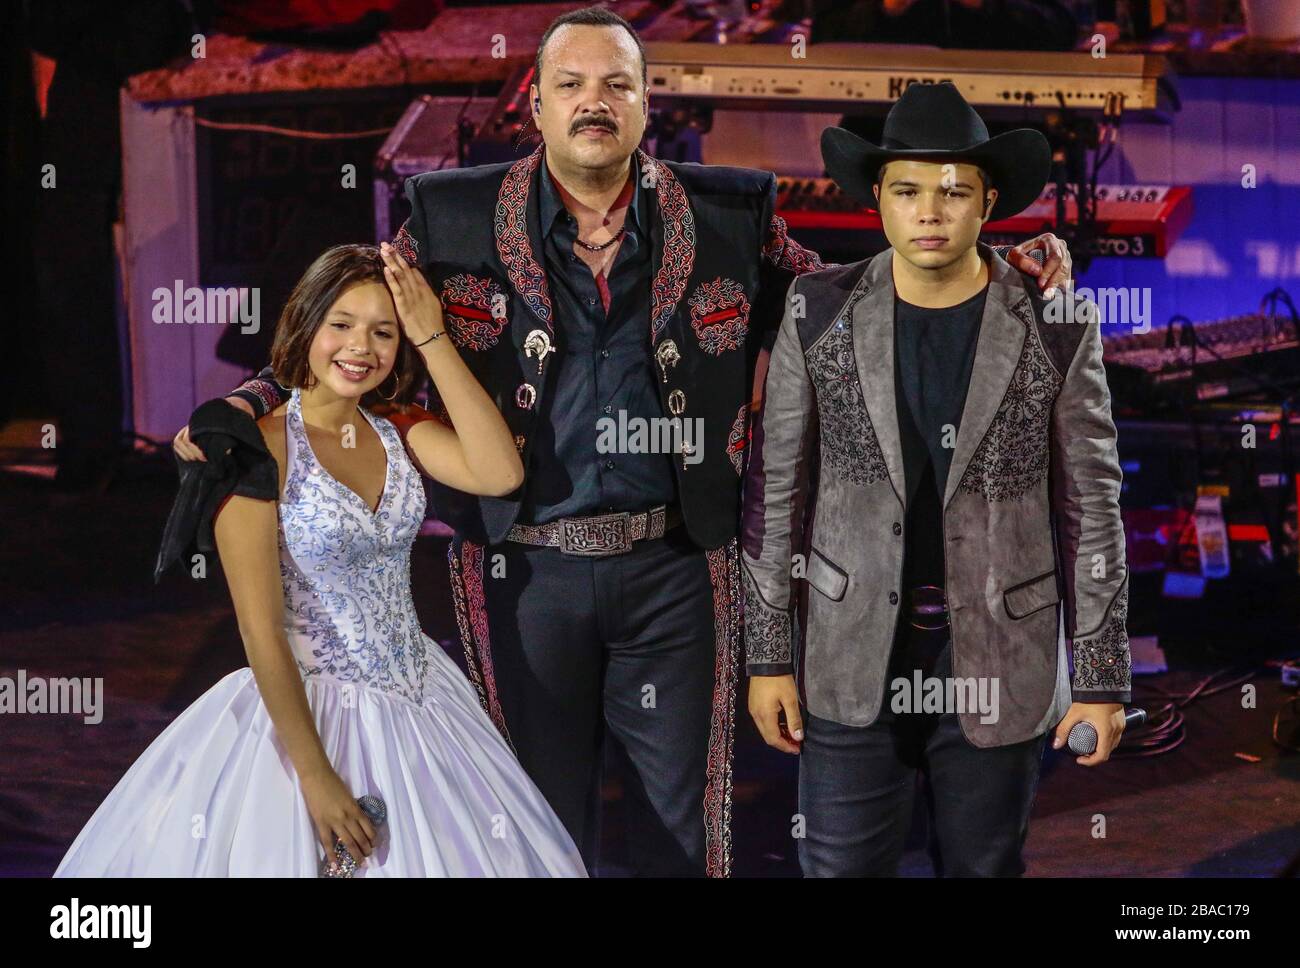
[396,386]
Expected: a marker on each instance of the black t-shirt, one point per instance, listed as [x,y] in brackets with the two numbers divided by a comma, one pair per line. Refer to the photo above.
[934,350]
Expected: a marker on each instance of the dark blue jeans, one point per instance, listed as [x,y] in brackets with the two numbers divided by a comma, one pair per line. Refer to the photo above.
[856,787]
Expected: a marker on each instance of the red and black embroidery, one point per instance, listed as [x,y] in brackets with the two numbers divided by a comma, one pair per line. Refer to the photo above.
[406,245]
[510,226]
[724,573]
[719,315]
[678,255]
[738,439]
[785,253]
[266,392]
[471,619]
[470,306]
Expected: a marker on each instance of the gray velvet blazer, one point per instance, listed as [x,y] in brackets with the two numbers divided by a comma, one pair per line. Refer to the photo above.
[1033,542]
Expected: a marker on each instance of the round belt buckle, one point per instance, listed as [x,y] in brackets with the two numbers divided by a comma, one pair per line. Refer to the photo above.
[929,608]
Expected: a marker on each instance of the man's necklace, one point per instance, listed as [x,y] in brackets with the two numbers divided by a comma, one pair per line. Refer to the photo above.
[604,245]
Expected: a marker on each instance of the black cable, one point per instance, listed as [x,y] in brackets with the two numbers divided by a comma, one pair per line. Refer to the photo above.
[1104,151]
[1268,309]
[460,117]
[1165,728]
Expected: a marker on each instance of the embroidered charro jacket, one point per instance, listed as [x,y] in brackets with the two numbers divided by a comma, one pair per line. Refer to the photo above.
[721,263]
[1032,537]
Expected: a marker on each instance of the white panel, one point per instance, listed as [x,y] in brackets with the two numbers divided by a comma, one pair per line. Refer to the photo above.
[174,367]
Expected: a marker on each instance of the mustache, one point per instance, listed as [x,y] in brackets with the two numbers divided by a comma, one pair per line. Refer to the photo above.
[595,121]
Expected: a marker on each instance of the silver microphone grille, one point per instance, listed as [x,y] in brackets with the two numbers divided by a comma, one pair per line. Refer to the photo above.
[374,808]
[1082,740]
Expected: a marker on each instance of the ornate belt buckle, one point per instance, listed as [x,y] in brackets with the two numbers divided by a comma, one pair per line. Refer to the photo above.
[929,608]
[594,537]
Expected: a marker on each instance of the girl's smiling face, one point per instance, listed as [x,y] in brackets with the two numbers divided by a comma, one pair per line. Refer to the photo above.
[355,346]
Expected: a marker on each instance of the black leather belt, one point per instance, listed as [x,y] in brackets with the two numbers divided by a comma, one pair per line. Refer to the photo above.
[598,535]
[927,608]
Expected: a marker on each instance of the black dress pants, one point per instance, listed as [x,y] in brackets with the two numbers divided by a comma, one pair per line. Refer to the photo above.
[621,647]
[856,786]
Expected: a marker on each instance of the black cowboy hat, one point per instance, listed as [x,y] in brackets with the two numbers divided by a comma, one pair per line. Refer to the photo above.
[934,122]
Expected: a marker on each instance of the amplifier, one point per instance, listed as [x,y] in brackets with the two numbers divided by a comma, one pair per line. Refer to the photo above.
[432,134]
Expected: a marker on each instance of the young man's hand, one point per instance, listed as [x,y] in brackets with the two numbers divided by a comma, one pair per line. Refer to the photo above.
[186,449]
[1107,719]
[769,697]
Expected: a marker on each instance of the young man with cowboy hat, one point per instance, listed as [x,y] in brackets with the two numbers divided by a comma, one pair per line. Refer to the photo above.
[962,506]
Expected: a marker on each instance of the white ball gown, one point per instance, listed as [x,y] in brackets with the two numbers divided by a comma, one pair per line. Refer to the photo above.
[216,795]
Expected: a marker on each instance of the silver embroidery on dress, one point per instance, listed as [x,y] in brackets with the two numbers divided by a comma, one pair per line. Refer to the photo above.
[345,570]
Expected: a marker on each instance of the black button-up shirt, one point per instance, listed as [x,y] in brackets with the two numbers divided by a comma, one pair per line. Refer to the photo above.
[602,366]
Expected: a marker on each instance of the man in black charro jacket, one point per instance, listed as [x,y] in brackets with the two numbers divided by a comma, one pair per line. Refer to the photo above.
[603,597]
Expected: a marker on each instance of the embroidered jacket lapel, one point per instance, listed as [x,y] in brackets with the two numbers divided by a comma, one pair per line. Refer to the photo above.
[1001,341]
[672,241]
[516,227]
[873,346]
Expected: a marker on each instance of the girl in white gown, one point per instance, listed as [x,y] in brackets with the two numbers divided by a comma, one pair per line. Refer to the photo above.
[345,696]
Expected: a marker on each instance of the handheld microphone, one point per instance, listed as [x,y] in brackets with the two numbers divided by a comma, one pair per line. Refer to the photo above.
[374,808]
[1082,740]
